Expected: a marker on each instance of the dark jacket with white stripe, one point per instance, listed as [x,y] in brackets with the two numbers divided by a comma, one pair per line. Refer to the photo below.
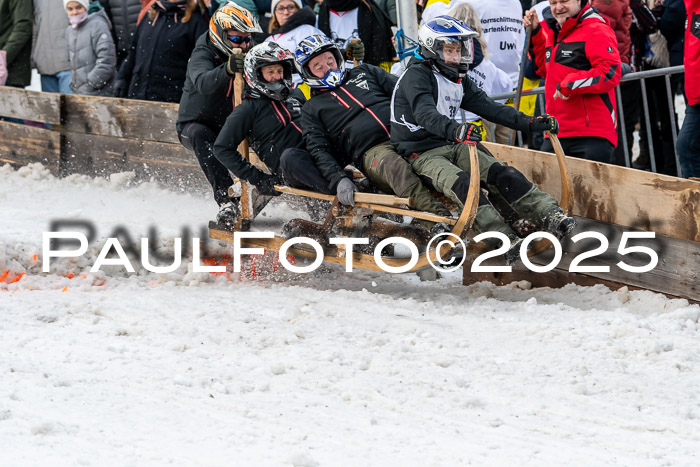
[270,126]
[123,14]
[582,61]
[341,124]
[417,126]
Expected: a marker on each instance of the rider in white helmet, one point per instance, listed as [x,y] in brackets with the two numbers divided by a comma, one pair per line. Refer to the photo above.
[346,121]
[426,100]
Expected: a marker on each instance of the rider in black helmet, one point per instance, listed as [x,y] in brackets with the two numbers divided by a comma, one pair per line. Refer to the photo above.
[268,116]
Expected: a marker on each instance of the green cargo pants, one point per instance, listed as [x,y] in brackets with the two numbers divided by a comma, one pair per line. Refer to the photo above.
[448,169]
[392,174]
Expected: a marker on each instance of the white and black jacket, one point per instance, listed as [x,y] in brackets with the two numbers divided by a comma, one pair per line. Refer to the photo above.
[341,124]
[270,126]
[418,126]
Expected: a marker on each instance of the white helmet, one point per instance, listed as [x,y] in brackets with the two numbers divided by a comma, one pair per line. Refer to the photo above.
[311,47]
[442,30]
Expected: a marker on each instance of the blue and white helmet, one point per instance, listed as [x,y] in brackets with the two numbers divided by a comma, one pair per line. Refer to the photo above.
[310,48]
[436,34]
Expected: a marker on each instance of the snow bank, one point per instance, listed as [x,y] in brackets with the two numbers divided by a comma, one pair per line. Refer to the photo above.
[327,369]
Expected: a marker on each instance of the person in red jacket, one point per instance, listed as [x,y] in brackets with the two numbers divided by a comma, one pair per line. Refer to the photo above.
[576,51]
[688,144]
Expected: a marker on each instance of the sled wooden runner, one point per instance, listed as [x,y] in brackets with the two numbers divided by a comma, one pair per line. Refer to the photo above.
[337,255]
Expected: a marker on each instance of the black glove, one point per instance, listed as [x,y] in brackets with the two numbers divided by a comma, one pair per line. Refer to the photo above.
[235,64]
[544,123]
[467,133]
[346,191]
[266,186]
[121,88]
[355,50]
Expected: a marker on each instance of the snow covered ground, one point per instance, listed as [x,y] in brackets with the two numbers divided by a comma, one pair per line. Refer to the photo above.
[327,369]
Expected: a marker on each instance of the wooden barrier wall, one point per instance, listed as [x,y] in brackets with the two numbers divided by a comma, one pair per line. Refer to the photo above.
[96,136]
[99,136]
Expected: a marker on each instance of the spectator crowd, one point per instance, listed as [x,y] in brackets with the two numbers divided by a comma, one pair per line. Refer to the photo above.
[180,51]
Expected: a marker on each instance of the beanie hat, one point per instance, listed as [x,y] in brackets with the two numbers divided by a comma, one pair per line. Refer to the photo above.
[84,3]
[275,2]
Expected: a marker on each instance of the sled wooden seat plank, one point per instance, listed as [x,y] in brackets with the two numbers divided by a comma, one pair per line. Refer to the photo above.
[375,202]
[367,198]
[365,261]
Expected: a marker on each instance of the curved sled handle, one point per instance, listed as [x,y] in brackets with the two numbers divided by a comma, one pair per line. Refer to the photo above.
[238,85]
[471,203]
[466,218]
[566,201]
[567,193]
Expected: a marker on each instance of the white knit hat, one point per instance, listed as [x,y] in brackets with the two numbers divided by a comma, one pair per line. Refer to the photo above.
[84,3]
[275,2]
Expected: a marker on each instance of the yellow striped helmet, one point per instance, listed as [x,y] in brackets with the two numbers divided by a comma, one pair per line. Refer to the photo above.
[230,17]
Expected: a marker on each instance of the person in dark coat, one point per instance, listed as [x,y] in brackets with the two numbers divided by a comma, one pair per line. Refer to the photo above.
[208,96]
[619,15]
[16,19]
[156,66]
[123,14]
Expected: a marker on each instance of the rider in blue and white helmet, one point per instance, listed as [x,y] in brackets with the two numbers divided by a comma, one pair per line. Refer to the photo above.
[332,66]
[447,44]
[424,131]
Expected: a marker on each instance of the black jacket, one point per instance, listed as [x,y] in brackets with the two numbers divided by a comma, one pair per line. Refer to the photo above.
[414,108]
[270,126]
[157,62]
[672,26]
[207,97]
[123,14]
[341,124]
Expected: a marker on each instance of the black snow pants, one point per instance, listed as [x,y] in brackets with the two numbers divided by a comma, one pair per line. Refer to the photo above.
[200,139]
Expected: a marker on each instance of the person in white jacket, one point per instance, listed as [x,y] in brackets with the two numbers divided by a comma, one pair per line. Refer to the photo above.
[487,76]
[290,24]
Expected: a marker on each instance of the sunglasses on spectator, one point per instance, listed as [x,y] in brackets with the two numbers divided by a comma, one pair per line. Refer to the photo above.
[289,8]
[239,39]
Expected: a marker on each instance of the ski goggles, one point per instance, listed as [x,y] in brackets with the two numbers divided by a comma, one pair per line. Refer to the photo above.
[239,39]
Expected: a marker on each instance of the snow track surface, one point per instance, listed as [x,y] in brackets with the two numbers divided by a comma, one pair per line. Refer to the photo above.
[325,369]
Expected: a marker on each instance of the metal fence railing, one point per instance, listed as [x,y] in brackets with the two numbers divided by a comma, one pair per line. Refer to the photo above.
[642,76]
